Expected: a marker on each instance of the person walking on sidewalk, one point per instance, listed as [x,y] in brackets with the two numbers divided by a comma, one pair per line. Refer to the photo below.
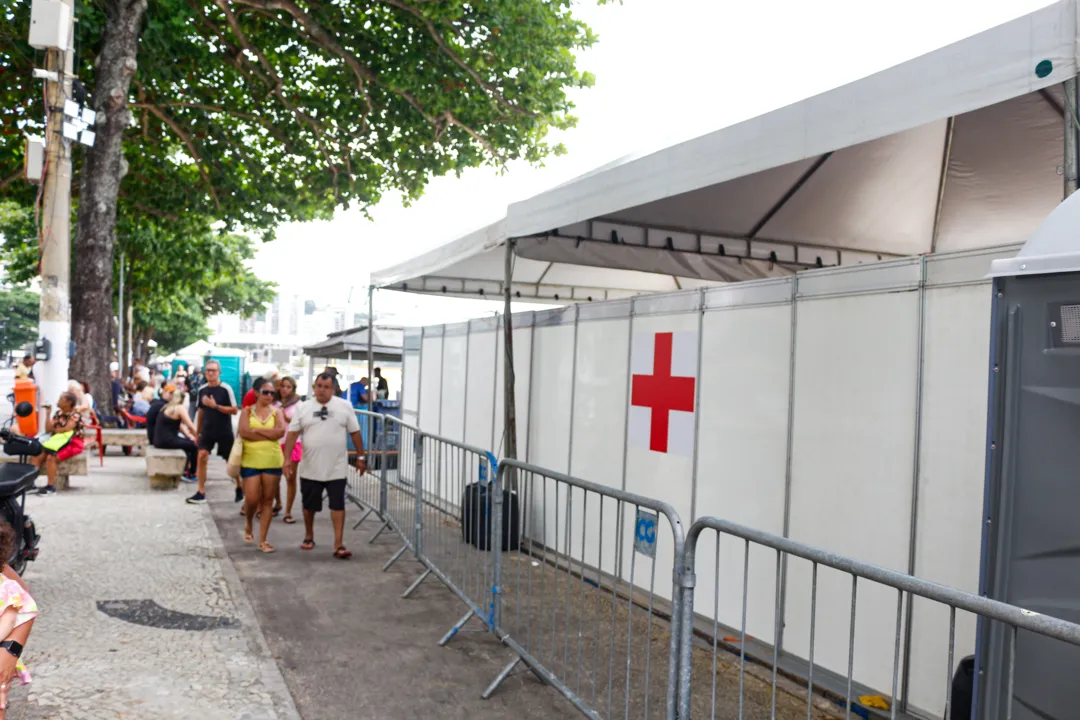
[195,382]
[324,422]
[290,403]
[217,405]
[261,428]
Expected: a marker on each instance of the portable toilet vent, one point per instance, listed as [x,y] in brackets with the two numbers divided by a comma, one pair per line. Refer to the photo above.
[1031,528]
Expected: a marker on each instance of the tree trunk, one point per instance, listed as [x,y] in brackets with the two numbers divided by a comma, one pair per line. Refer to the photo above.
[103,168]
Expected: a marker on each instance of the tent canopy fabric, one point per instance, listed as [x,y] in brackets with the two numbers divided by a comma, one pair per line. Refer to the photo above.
[196,350]
[957,149]
[386,344]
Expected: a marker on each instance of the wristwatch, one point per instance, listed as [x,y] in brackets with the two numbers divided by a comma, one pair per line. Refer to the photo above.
[15,648]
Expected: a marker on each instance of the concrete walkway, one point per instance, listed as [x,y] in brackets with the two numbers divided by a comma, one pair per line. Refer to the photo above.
[350,647]
[142,614]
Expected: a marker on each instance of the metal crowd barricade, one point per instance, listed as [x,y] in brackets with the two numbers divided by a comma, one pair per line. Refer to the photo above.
[451,501]
[367,490]
[580,595]
[731,680]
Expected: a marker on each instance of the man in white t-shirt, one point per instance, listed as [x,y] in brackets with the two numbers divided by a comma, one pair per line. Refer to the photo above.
[324,422]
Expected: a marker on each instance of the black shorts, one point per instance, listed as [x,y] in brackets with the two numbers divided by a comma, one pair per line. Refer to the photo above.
[311,492]
[224,444]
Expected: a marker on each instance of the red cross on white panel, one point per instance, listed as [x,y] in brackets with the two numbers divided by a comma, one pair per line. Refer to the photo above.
[665,393]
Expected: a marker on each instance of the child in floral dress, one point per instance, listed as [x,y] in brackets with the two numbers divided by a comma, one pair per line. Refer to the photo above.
[17,607]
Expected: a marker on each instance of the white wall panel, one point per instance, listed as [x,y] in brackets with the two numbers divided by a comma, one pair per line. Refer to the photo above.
[665,476]
[431,384]
[522,363]
[452,466]
[480,392]
[549,421]
[410,391]
[957,351]
[599,416]
[455,348]
[549,416]
[742,456]
[853,454]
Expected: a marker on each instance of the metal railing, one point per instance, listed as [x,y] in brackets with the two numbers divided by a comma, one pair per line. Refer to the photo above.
[596,593]
[579,588]
[724,691]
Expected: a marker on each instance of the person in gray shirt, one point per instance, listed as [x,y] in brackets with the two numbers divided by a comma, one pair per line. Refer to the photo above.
[324,422]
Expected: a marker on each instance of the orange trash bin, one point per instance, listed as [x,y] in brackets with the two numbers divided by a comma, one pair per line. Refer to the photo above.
[26,391]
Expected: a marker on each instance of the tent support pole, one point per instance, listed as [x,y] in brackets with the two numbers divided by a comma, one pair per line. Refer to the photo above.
[373,385]
[946,155]
[509,397]
[916,477]
[789,460]
[1071,162]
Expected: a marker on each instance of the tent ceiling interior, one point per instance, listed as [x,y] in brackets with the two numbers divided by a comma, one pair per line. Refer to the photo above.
[341,345]
[957,149]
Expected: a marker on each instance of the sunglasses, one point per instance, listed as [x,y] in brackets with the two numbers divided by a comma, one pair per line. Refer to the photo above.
[266,392]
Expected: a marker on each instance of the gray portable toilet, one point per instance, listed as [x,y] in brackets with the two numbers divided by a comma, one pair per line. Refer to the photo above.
[1031,529]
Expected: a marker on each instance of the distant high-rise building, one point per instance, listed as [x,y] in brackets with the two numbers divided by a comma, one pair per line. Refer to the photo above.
[295,311]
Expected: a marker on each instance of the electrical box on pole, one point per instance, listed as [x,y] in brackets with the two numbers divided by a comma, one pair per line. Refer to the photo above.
[50,25]
[34,162]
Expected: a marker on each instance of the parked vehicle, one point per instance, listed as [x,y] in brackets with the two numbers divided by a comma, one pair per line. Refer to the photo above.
[16,479]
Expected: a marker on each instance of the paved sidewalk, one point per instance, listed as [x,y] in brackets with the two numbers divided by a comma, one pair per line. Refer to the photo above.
[350,647]
[142,613]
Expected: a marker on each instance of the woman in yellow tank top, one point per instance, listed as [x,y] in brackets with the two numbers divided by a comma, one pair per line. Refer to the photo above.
[261,429]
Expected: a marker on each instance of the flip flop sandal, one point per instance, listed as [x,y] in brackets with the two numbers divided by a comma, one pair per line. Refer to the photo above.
[249,538]
[342,553]
[289,520]
[277,511]
[308,544]
[266,548]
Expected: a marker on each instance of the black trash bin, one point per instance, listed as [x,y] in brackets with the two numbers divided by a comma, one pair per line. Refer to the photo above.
[476,516]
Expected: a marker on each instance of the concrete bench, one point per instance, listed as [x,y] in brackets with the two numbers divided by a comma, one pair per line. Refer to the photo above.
[164,467]
[77,466]
[125,437]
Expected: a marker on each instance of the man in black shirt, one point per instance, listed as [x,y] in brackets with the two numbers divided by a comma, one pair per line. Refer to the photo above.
[216,406]
[382,389]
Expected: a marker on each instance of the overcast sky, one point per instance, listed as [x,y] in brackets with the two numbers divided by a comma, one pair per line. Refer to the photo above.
[665,70]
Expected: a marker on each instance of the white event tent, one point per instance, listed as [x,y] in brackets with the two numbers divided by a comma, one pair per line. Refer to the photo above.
[959,148]
[843,407]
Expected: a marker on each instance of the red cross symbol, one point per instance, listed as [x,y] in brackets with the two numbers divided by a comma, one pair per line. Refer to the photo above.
[662,393]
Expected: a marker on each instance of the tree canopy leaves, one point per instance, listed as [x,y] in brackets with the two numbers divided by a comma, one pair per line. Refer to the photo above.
[258,112]
[18,318]
[169,280]
[249,113]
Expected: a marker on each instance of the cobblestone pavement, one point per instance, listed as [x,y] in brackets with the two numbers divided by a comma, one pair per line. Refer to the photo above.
[143,615]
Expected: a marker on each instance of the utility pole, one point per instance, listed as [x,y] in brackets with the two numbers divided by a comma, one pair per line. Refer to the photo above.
[122,321]
[55,317]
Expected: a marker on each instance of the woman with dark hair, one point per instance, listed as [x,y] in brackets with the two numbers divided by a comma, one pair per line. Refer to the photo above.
[262,426]
[252,395]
